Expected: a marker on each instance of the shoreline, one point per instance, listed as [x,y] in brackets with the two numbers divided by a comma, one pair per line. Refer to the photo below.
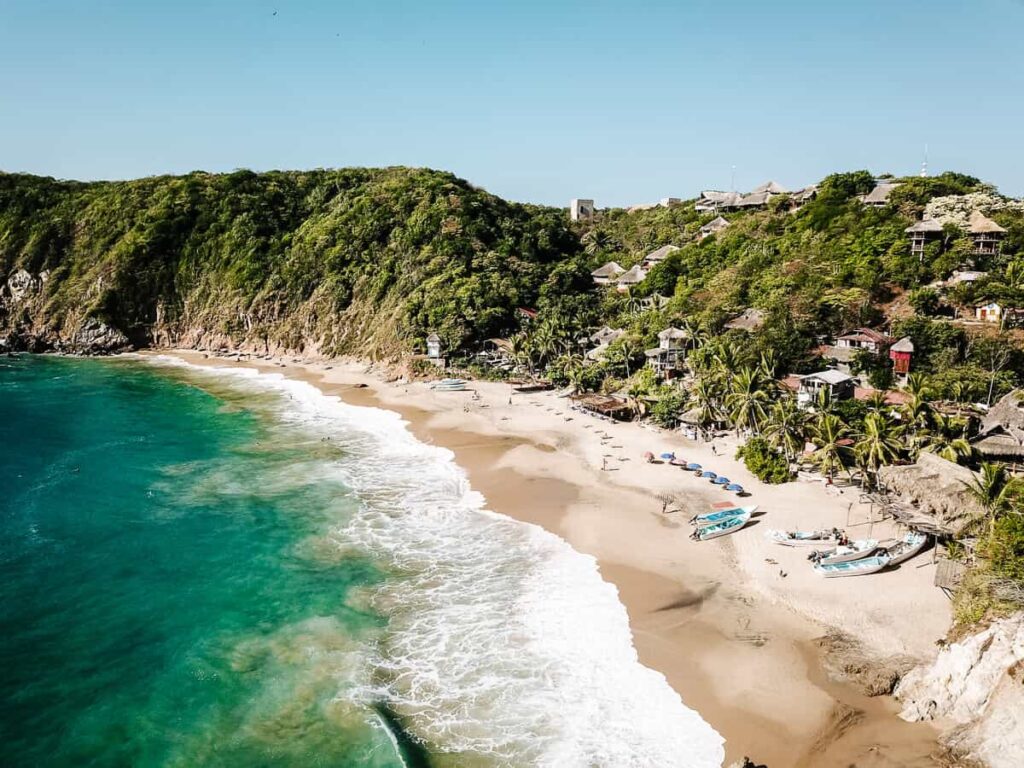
[730,623]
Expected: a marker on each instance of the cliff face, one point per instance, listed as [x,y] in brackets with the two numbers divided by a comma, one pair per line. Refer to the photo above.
[978,684]
[319,262]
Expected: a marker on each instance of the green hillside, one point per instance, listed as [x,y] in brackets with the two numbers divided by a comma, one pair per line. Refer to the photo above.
[331,261]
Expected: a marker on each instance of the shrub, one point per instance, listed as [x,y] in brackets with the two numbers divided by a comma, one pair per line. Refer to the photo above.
[767,464]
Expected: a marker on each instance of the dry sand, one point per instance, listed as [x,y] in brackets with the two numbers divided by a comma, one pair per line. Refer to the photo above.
[729,622]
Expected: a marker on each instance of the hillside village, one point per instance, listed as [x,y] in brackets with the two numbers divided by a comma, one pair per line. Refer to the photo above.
[912,368]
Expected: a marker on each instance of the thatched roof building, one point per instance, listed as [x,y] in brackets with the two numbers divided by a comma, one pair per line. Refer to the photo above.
[748,320]
[936,489]
[1002,430]
[659,255]
[879,196]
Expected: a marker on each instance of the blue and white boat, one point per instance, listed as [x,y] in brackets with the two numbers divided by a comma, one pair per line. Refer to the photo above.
[710,518]
[844,553]
[727,526]
[860,567]
[907,547]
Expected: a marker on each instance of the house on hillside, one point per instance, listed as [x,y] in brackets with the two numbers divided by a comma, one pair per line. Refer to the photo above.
[900,353]
[965,276]
[713,227]
[1001,437]
[711,200]
[839,385]
[921,233]
[989,313]
[668,356]
[846,347]
[632,276]
[986,235]
[879,196]
[607,273]
[658,256]
[602,339]
[749,320]
[581,209]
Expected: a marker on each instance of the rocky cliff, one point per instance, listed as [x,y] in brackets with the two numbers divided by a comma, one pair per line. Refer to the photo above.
[976,684]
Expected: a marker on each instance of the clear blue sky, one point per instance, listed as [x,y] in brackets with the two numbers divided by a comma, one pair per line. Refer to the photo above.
[536,100]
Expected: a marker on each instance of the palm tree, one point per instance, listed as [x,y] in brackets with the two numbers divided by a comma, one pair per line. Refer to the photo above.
[878,445]
[748,401]
[786,427]
[637,397]
[877,402]
[706,398]
[992,489]
[830,435]
[598,241]
[947,439]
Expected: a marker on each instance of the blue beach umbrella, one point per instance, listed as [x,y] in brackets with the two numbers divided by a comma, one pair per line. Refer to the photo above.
[735,488]
[693,465]
[721,481]
[668,456]
[709,474]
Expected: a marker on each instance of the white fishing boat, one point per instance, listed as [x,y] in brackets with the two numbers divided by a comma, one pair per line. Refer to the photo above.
[803,538]
[710,518]
[722,528]
[449,385]
[860,567]
[844,553]
[907,547]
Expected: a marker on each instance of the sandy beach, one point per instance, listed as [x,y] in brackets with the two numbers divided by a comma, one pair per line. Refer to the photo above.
[731,623]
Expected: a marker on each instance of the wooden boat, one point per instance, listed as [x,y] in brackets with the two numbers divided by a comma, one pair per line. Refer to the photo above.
[907,547]
[524,387]
[844,553]
[723,528]
[803,538]
[860,567]
[710,518]
[449,385]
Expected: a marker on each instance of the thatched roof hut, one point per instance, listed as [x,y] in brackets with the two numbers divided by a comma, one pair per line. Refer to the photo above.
[936,489]
[1002,430]
[749,320]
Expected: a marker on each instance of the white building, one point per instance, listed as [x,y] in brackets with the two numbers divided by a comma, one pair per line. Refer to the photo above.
[580,209]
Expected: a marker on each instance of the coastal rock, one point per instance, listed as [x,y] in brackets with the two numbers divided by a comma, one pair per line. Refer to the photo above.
[22,285]
[846,661]
[95,337]
[978,683]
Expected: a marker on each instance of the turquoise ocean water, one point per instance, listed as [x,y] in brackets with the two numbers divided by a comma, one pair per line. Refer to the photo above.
[169,597]
[221,568]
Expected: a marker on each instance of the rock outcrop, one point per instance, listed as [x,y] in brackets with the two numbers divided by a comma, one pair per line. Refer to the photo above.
[977,683]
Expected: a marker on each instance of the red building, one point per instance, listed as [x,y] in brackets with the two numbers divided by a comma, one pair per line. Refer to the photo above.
[900,354]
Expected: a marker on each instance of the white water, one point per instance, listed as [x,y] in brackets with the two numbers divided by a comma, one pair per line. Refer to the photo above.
[503,643]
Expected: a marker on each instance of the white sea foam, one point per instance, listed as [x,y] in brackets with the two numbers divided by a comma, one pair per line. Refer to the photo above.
[503,642]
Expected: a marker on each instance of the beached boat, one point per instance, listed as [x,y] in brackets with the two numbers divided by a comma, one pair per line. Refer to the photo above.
[907,547]
[845,553]
[449,385]
[525,387]
[710,518]
[722,528]
[803,538]
[860,567]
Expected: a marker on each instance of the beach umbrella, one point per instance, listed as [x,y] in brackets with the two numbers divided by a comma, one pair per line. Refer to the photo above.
[735,488]
[710,475]
[668,456]
[648,457]
[721,481]
[693,465]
